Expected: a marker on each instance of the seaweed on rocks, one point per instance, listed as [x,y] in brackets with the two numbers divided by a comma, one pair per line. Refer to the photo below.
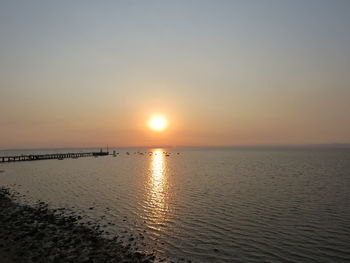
[40,234]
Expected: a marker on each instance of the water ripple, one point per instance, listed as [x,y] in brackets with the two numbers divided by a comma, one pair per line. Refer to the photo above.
[205,205]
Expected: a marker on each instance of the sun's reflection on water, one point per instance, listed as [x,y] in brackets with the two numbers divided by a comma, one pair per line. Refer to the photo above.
[157,191]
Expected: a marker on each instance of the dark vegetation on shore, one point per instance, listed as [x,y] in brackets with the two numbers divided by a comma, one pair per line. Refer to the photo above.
[39,234]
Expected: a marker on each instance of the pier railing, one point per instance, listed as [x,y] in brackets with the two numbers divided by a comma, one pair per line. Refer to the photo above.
[58,156]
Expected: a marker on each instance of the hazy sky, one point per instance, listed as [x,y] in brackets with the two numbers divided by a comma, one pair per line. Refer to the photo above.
[88,73]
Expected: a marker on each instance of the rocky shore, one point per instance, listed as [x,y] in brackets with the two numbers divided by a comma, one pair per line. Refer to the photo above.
[39,234]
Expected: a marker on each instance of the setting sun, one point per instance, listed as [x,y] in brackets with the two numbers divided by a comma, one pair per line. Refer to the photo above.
[158,123]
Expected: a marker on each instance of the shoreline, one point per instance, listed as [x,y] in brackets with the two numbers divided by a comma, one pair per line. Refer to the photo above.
[40,234]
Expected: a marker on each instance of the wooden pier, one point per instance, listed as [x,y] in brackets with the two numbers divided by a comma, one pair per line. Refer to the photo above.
[58,156]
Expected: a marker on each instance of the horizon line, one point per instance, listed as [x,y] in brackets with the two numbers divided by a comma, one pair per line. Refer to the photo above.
[315,145]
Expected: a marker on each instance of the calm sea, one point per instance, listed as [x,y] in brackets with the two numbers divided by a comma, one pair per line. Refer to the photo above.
[212,205]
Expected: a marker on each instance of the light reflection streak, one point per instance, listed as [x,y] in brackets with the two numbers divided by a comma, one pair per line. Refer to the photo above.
[157,191]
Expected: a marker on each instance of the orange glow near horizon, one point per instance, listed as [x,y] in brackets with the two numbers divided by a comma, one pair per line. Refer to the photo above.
[158,123]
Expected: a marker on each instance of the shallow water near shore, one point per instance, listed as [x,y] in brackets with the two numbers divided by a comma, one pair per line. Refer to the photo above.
[205,205]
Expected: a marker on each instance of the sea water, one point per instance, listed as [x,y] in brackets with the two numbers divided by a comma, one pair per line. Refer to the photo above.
[204,205]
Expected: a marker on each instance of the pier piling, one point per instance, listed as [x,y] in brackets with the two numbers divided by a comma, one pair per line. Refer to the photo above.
[36,157]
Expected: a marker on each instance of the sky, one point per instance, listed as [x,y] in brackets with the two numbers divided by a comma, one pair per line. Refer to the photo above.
[91,73]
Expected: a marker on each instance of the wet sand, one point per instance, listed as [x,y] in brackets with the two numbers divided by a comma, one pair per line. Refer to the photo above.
[39,234]
[5,257]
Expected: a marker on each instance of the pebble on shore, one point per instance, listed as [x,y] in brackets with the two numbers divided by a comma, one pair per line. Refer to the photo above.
[39,234]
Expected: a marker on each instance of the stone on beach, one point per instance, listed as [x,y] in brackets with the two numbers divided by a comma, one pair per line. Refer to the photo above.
[39,234]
